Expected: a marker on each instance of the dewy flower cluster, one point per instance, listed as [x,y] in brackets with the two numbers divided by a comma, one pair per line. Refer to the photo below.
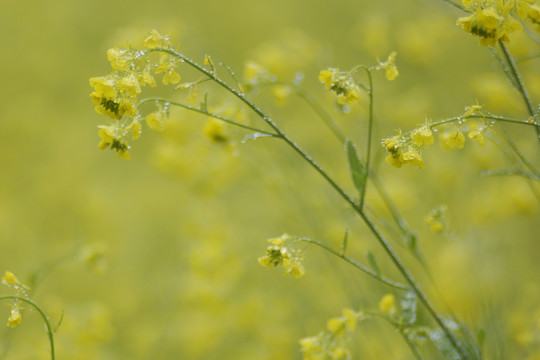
[342,84]
[115,95]
[282,252]
[493,20]
[405,148]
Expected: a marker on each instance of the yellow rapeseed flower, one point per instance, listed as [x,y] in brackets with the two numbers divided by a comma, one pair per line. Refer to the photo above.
[155,120]
[14,317]
[388,304]
[120,59]
[454,139]
[389,66]
[422,136]
[156,40]
[10,279]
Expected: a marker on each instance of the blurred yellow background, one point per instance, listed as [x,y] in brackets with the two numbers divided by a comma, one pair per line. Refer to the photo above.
[156,257]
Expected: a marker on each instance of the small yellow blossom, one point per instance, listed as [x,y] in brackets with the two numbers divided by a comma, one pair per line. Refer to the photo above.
[454,139]
[533,14]
[156,40]
[120,59]
[171,77]
[388,304]
[412,157]
[389,66]
[166,67]
[351,318]
[10,279]
[336,326]
[135,128]
[14,317]
[422,136]
[112,136]
[108,98]
[155,120]
[294,268]
[327,77]
[145,78]
[437,219]
[472,110]
[478,132]
[340,352]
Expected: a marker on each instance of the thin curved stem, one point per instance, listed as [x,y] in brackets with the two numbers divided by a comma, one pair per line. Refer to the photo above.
[382,241]
[356,264]
[204,112]
[43,315]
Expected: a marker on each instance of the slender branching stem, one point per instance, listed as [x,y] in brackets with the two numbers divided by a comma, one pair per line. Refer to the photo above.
[356,264]
[519,83]
[484,116]
[43,315]
[204,112]
[379,237]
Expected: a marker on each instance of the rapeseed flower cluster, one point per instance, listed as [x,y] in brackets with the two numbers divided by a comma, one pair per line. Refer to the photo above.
[341,84]
[332,343]
[493,20]
[405,148]
[282,252]
[115,95]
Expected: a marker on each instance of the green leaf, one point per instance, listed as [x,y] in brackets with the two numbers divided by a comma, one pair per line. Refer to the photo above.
[408,307]
[481,337]
[358,172]
[345,242]
[373,263]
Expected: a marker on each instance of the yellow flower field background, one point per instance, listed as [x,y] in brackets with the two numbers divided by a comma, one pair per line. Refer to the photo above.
[156,257]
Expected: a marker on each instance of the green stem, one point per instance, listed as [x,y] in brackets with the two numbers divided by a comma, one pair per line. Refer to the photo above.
[486,116]
[370,133]
[520,87]
[41,312]
[207,113]
[355,264]
[382,241]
